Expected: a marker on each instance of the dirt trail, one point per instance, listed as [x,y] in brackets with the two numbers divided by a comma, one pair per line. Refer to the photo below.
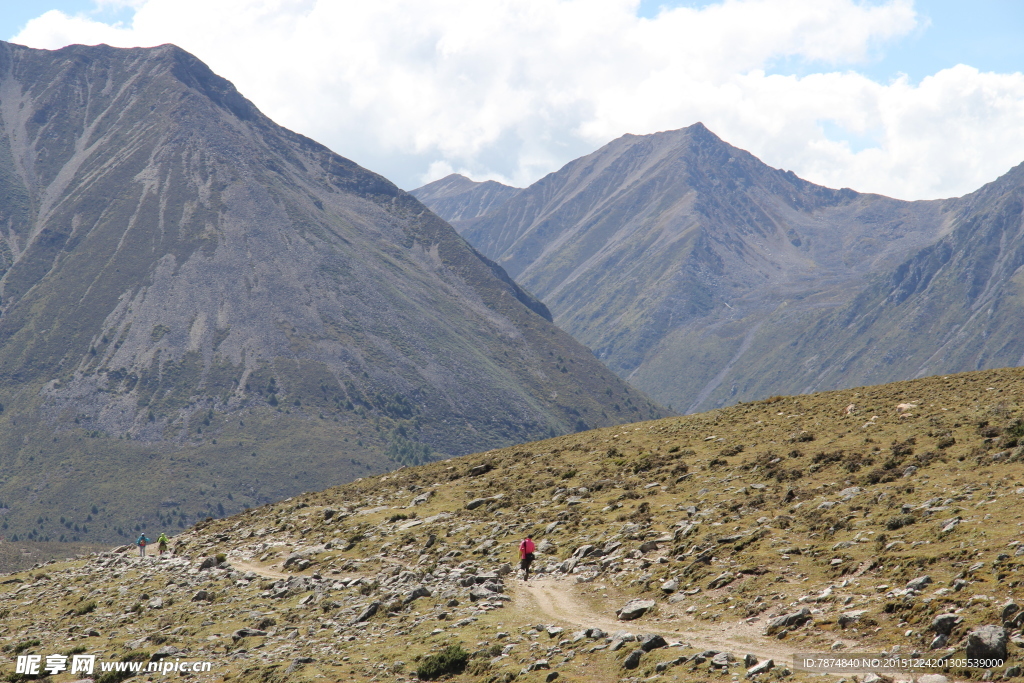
[555,599]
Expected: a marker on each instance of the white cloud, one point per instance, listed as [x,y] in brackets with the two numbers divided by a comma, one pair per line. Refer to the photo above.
[513,89]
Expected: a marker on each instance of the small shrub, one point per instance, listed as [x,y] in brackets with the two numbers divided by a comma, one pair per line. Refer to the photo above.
[451,660]
[26,644]
[945,442]
[221,558]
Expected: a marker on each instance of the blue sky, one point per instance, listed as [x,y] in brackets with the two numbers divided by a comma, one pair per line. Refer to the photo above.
[846,93]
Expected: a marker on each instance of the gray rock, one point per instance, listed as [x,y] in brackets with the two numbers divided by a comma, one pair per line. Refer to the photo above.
[723,579]
[648,546]
[551,677]
[670,586]
[919,583]
[749,660]
[987,642]
[477,502]
[202,596]
[1009,609]
[633,659]
[156,603]
[554,631]
[851,617]
[163,653]
[595,633]
[416,593]
[932,678]
[367,612]
[652,641]
[788,621]
[247,633]
[207,563]
[949,524]
[422,498]
[939,642]
[945,623]
[1012,672]
[763,667]
[722,660]
[634,609]
[538,665]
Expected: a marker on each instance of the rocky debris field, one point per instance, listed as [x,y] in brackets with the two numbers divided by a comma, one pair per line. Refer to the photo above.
[708,546]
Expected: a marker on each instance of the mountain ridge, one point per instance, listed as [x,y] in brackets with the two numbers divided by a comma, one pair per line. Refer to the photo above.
[185,281]
[660,248]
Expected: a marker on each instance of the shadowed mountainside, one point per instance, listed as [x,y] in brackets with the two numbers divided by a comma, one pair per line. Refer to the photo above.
[202,310]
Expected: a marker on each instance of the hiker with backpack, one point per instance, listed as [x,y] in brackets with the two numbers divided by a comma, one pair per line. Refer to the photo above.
[142,544]
[161,543]
[526,550]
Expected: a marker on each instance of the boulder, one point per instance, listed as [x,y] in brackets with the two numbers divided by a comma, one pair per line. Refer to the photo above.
[987,642]
[670,586]
[932,678]
[652,642]
[851,617]
[634,609]
[721,580]
[416,593]
[787,621]
[945,623]
[721,660]
[919,583]
[763,667]
[367,612]
[633,659]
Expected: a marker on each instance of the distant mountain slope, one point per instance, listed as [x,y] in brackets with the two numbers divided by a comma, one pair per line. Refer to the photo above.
[205,310]
[955,305]
[668,253]
[460,199]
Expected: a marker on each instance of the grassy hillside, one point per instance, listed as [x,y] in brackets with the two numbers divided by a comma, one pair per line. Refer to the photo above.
[726,520]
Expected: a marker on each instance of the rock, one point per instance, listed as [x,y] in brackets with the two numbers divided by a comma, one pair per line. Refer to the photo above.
[945,623]
[207,563]
[293,560]
[749,660]
[1012,672]
[481,593]
[875,678]
[477,502]
[156,603]
[670,586]
[551,677]
[163,653]
[763,667]
[949,525]
[787,621]
[328,513]
[538,665]
[367,612]
[247,633]
[483,468]
[554,631]
[422,498]
[1009,609]
[721,660]
[633,659]
[721,580]
[932,678]
[987,642]
[547,547]
[416,593]
[648,546]
[298,663]
[939,642]
[919,583]
[652,642]
[634,609]
[583,551]
[851,617]
[202,596]
[595,633]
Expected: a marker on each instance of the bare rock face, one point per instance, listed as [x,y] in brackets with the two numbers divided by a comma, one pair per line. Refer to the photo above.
[184,279]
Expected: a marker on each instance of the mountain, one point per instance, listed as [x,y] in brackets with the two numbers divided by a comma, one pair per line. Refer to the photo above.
[672,255]
[203,311]
[460,199]
[794,525]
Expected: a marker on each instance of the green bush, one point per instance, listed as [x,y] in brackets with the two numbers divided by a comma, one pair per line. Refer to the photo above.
[451,660]
[85,608]
[899,521]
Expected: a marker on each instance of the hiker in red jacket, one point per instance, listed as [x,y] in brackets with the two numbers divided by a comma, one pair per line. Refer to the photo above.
[526,549]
